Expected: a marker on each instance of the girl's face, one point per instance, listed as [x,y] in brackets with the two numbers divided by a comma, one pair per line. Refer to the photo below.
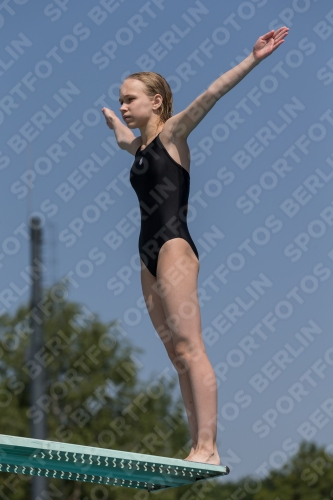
[136,107]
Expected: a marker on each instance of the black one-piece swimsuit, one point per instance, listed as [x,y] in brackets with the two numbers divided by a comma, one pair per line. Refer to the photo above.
[162,186]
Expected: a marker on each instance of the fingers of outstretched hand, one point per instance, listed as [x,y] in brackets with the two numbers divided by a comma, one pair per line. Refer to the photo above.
[279,40]
[108,115]
[282,28]
[267,35]
[276,45]
[107,111]
[281,33]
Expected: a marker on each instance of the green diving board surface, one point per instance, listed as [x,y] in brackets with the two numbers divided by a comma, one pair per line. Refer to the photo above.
[53,459]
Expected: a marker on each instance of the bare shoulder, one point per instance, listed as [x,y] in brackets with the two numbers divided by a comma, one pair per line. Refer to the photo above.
[175,144]
[133,146]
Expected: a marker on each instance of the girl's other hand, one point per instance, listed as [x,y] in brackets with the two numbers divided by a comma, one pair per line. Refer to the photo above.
[109,117]
[269,42]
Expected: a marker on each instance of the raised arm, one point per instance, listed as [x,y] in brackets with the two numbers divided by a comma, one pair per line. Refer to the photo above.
[186,121]
[124,136]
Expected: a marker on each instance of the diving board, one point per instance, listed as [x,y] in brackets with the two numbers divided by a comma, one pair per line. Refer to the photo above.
[54,459]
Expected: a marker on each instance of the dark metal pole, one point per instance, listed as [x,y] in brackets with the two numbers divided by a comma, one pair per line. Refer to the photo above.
[37,382]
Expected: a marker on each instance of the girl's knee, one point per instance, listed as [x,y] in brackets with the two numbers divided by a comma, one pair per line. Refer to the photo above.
[180,366]
[188,352]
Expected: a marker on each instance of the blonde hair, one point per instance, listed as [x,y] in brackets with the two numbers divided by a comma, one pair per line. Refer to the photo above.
[156,84]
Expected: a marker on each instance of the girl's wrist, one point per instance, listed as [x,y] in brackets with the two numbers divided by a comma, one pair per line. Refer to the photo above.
[254,60]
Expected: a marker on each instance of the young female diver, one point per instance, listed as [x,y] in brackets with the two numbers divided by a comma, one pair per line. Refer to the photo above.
[160,176]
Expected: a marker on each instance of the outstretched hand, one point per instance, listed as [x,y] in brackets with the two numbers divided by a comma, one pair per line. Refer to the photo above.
[109,117]
[266,44]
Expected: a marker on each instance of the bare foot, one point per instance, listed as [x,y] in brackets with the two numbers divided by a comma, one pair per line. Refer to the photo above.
[190,455]
[204,457]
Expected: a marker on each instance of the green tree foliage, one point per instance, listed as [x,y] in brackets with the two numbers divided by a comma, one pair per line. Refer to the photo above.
[94,397]
[93,394]
[307,475]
